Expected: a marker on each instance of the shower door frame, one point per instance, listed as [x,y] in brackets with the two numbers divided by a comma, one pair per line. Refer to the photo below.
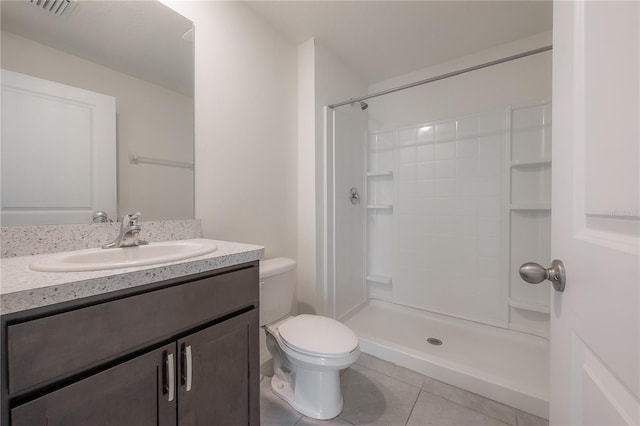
[327,288]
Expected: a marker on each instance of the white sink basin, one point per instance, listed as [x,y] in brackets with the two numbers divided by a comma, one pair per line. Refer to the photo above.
[99,259]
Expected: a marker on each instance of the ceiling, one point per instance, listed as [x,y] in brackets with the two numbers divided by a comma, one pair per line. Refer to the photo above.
[384,39]
[378,39]
[141,38]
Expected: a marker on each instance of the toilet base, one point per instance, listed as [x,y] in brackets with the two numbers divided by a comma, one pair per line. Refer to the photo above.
[313,400]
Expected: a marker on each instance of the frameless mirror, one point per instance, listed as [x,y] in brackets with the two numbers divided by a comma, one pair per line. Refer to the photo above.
[139,54]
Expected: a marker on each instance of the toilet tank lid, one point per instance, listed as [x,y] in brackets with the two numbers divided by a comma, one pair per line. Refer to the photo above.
[275,266]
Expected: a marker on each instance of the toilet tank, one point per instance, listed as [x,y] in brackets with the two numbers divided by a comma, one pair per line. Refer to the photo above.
[277,287]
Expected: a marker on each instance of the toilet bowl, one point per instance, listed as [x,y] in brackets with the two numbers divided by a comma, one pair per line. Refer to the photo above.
[308,350]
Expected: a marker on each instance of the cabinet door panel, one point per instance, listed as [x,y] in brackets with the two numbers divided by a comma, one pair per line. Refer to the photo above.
[128,394]
[224,374]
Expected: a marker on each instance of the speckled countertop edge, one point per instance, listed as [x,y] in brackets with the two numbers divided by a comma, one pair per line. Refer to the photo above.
[41,239]
[22,289]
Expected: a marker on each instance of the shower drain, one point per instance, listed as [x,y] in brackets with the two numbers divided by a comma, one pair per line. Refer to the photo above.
[434,341]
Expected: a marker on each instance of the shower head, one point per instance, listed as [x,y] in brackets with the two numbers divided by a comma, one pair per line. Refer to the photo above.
[363,105]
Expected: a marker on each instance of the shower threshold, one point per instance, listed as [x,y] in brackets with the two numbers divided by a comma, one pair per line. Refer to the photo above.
[504,365]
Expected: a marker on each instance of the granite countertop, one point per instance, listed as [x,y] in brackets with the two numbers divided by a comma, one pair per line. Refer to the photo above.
[22,289]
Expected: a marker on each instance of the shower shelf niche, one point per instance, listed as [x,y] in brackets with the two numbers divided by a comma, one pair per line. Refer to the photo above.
[530,207]
[382,173]
[526,305]
[529,213]
[531,163]
[381,187]
[380,279]
[379,287]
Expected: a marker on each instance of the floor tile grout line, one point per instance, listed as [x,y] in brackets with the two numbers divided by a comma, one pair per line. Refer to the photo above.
[343,419]
[422,389]
[395,378]
[473,409]
[513,422]
[413,407]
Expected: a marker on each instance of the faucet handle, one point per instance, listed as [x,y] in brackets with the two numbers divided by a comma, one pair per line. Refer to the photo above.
[130,219]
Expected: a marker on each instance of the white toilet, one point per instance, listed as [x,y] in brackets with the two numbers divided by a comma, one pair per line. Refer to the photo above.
[308,350]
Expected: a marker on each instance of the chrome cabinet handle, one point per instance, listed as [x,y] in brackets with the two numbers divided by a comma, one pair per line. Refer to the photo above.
[169,385]
[189,368]
[186,367]
[534,273]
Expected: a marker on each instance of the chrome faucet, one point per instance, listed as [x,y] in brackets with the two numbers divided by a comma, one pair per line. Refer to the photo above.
[129,230]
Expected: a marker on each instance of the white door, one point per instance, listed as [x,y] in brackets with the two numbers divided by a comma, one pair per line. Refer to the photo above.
[595,323]
[58,152]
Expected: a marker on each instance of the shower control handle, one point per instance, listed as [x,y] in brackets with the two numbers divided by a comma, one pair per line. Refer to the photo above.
[354,196]
[534,273]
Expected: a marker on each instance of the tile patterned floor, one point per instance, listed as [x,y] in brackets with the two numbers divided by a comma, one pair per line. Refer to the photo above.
[376,392]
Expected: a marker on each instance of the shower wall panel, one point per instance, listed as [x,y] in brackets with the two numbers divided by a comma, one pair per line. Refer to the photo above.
[455,206]
[450,245]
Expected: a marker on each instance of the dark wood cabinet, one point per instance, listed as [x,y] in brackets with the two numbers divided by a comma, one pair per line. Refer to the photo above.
[181,354]
[127,394]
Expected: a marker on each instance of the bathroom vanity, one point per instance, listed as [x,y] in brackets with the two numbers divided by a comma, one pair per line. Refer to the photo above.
[173,344]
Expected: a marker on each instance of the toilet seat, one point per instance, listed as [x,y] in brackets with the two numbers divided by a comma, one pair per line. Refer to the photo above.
[318,336]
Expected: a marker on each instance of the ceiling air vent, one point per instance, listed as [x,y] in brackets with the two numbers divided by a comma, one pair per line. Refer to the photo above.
[57,7]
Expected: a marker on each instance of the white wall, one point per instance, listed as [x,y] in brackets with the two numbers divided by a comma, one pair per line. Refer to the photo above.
[324,79]
[308,239]
[245,127]
[151,121]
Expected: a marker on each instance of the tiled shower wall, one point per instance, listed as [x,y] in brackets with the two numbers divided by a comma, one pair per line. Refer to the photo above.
[449,238]
[439,214]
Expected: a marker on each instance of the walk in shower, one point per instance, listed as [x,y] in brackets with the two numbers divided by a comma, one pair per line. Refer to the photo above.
[435,195]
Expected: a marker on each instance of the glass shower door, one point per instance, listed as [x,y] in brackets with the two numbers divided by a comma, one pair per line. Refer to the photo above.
[345,150]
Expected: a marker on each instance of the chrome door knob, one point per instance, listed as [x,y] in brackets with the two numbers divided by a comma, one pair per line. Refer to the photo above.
[533,273]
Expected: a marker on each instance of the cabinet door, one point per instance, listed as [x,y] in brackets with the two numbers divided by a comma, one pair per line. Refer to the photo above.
[219,374]
[135,392]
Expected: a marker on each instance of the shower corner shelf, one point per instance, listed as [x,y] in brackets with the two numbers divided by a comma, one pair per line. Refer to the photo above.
[381,279]
[532,206]
[528,330]
[540,162]
[387,173]
[528,306]
[380,207]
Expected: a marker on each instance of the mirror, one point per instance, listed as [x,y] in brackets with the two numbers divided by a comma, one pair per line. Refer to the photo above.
[140,53]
